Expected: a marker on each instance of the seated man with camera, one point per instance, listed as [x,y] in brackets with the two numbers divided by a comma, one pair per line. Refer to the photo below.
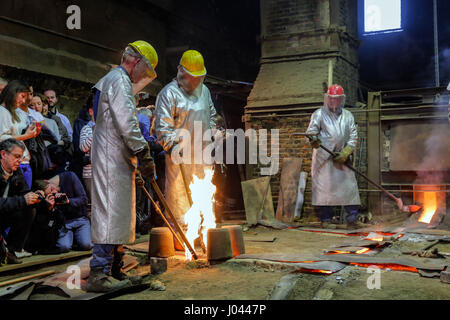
[67,199]
[17,202]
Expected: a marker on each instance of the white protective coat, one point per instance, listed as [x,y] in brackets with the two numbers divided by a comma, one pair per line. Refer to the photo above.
[333,184]
[176,110]
[116,141]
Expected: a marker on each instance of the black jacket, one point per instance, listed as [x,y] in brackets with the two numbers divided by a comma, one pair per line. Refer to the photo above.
[18,187]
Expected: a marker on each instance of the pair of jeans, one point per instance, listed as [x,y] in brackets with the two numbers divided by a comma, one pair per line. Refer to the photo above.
[105,256]
[78,229]
[19,224]
[326,213]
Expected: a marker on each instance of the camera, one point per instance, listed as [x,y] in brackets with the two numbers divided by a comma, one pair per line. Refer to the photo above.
[61,199]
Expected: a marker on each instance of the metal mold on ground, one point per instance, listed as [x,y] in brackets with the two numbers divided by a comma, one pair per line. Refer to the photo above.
[219,245]
[237,239]
[161,243]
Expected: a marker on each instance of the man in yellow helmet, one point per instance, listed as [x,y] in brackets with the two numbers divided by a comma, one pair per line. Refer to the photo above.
[116,147]
[182,105]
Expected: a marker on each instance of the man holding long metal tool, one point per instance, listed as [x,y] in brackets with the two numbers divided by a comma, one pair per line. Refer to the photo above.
[184,106]
[116,147]
[333,184]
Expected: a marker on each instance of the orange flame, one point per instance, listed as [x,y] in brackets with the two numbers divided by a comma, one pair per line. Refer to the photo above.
[429,207]
[306,270]
[392,266]
[375,239]
[360,251]
[201,215]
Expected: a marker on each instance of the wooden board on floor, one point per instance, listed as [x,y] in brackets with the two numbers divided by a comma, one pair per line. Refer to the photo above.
[289,181]
[257,199]
[43,259]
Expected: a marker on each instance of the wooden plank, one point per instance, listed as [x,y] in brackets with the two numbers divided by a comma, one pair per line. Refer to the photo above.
[289,181]
[257,199]
[43,259]
[32,276]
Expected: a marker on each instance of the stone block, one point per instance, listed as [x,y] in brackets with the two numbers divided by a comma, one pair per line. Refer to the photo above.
[158,265]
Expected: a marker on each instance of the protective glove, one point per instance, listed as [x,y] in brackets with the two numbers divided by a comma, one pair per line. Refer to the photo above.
[342,157]
[314,141]
[147,165]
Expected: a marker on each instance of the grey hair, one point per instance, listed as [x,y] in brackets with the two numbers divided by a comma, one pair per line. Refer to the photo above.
[3,81]
[10,143]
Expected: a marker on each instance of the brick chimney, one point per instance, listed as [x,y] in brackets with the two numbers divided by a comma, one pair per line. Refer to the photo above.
[305,45]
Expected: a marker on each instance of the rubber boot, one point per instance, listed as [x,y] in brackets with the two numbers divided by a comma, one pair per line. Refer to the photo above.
[98,281]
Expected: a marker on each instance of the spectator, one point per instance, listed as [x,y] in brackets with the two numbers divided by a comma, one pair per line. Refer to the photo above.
[82,120]
[60,154]
[53,111]
[142,202]
[12,126]
[30,112]
[85,147]
[16,201]
[40,159]
[3,84]
[68,199]
[37,104]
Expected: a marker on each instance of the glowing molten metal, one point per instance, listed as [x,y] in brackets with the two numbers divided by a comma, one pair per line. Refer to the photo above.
[429,207]
[200,217]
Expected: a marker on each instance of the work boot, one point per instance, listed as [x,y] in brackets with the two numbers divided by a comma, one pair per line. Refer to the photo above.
[357,225]
[327,225]
[116,273]
[98,281]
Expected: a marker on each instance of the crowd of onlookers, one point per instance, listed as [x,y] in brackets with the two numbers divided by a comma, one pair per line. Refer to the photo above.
[46,174]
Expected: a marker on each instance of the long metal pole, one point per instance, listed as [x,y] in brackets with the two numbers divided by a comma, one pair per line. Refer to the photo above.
[158,210]
[436,44]
[170,214]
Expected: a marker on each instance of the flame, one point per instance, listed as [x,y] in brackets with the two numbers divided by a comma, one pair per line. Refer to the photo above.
[429,207]
[373,236]
[375,239]
[360,251]
[392,266]
[200,217]
[306,270]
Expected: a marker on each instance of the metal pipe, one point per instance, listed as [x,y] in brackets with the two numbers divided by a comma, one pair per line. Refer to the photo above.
[400,191]
[349,109]
[436,44]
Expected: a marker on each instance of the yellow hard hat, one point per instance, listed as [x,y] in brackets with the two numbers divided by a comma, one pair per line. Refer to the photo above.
[192,62]
[146,50]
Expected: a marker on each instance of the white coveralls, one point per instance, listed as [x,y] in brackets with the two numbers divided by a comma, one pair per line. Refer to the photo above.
[116,141]
[333,184]
[176,110]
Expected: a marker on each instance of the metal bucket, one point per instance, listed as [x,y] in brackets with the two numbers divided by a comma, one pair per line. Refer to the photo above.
[161,242]
[237,239]
[219,244]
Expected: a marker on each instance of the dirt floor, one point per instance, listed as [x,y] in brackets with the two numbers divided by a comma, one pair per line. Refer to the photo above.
[247,281]
[251,279]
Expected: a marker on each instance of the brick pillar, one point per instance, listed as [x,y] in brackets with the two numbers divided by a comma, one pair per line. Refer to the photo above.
[303,43]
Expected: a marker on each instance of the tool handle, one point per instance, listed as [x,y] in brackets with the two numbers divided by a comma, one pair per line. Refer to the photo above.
[304,134]
[169,212]
[158,210]
[186,186]
[390,195]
